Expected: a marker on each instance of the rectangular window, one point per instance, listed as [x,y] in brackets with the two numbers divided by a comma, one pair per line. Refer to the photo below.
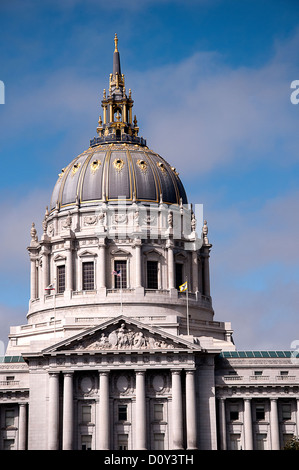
[152,274]
[60,279]
[85,442]
[8,444]
[158,412]
[286,411]
[261,442]
[178,275]
[234,412]
[9,418]
[122,413]
[88,275]
[120,281]
[258,372]
[260,412]
[122,441]
[235,442]
[159,441]
[86,414]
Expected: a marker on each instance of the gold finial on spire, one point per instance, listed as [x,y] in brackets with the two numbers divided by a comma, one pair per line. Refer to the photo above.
[115,42]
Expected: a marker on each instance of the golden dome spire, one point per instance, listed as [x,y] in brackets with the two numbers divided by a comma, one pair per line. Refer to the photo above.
[115,42]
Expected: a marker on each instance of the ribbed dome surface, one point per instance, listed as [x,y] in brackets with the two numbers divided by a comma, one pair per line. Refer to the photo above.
[109,172]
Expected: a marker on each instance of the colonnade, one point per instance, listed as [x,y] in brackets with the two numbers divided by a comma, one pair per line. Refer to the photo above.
[248,424]
[41,276]
[140,425]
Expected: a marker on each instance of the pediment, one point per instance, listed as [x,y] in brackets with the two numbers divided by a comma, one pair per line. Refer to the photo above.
[59,258]
[152,251]
[120,252]
[123,333]
[87,253]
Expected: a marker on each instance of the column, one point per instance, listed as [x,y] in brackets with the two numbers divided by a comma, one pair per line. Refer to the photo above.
[104,424]
[200,273]
[124,113]
[207,404]
[45,266]
[170,267]
[191,423]
[194,271]
[140,417]
[274,424]
[297,416]
[177,410]
[102,266]
[206,279]
[22,426]
[68,412]
[33,283]
[222,423]
[138,263]
[69,270]
[248,424]
[53,411]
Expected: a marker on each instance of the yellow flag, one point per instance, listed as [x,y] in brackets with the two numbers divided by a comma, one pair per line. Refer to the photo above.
[184,287]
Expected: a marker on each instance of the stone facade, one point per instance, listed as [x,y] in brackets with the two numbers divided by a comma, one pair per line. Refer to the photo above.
[116,353]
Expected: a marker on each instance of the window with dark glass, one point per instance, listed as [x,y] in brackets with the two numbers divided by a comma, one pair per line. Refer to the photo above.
[120,276]
[122,413]
[60,279]
[234,413]
[86,414]
[158,412]
[9,418]
[178,275]
[86,442]
[286,411]
[152,274]
[159,441]
[88,275]
[260,412]
[122,441]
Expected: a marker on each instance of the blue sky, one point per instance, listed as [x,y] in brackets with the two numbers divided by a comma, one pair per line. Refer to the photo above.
[211,83]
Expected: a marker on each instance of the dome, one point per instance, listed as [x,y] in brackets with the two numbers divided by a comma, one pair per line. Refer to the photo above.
[118,165]
[118,171]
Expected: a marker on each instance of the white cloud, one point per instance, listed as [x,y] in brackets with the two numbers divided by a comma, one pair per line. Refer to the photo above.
[254,272]
[207,114]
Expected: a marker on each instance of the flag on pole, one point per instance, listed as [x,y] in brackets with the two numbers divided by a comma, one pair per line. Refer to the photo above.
[117,273]
[50,287]
[183,287]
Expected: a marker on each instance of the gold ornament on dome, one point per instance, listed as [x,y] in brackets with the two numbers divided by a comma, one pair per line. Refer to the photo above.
[142,165]
[61,174]
[161,166]
[118,164]
[94,166]
[75,168]
[175,172]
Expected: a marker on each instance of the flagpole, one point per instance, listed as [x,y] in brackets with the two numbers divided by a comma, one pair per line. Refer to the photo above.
[188,330]
[121,294]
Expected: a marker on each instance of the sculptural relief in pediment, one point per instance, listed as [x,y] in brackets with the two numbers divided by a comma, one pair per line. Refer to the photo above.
[124,337]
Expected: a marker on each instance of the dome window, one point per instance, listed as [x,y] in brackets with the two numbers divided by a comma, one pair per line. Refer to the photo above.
[118,164]
[75,168]
[95,166]
[142,165]
[161,166]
